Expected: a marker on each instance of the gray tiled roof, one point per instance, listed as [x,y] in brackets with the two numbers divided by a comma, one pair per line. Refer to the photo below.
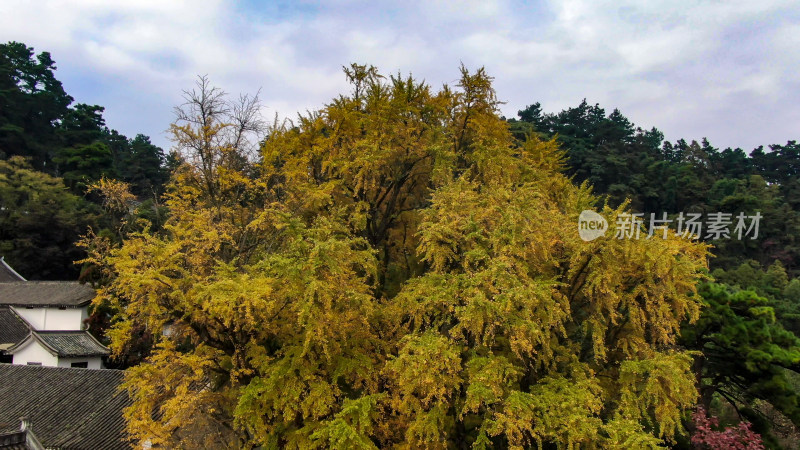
[7,273]
[45,293]
[14,441]
[69,409]
[12,328]
[67,344]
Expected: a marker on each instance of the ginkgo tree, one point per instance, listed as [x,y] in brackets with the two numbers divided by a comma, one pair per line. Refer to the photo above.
[392,270]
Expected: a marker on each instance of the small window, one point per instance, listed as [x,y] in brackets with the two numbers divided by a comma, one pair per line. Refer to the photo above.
[62,308]
[34,364]
[80,365]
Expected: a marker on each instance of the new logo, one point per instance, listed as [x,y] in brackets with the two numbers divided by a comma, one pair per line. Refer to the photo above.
[591,225]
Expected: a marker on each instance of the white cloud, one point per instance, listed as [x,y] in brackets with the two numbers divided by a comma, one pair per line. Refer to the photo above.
[691,68]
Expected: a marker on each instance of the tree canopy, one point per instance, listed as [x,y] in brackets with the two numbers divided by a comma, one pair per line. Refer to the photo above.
[65,144]
[40,220]
[395,269]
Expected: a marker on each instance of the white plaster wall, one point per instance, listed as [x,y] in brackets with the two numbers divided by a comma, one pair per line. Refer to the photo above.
[34,352]
[53,318]
[34,316]
[95,362]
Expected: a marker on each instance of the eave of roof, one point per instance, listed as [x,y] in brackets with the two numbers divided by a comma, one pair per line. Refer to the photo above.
[15,440]
[91,346]
[22,439]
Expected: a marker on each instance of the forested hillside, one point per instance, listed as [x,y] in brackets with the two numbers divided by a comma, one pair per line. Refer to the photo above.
[51,150]
[622,161]
[402,267]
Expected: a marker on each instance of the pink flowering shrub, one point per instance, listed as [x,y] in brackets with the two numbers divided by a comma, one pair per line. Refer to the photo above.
[740,437]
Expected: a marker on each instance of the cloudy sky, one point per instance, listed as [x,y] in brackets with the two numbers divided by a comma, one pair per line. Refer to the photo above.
[725,70]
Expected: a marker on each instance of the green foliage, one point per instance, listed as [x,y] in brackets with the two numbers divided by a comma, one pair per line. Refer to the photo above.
[772,283]
[143,167]
[792,291]
[32,101]
[84,164]
[38,121]
[39,222]
[557,410]
[745,352]
[351,427]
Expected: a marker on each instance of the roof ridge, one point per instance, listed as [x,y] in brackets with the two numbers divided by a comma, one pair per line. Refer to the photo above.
[11,269]
[27,367]
[61,331]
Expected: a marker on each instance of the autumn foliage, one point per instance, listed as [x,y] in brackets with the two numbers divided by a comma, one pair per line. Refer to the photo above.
[394,270]
[740,437]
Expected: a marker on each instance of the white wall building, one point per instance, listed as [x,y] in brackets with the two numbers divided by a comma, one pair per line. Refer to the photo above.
[54,312]
[60,349]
